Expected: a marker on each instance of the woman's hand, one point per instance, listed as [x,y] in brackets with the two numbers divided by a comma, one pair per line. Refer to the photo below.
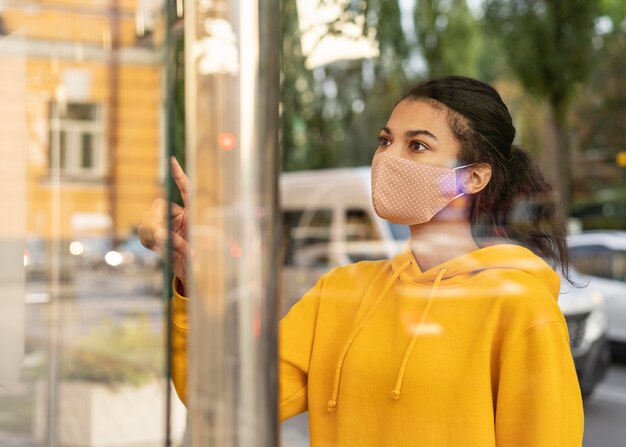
[153,228]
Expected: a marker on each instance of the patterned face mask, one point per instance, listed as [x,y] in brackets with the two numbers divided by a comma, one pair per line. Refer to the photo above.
[409,192]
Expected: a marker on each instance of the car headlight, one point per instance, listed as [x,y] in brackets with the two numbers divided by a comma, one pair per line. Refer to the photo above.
[114,258]
[595,326]
[77,248]
[598,298]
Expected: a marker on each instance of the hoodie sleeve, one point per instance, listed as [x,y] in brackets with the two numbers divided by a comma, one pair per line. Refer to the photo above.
[296,334]
[539,401]
[180,328]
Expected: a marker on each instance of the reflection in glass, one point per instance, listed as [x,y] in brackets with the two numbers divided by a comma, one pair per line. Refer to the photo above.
[88,101]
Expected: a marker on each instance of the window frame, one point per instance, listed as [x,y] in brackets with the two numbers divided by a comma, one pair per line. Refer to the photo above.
[73,131]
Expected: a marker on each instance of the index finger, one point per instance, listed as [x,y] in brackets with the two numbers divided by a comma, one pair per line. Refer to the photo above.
[180,178]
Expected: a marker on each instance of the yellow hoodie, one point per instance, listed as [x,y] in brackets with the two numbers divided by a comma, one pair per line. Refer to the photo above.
[473,352]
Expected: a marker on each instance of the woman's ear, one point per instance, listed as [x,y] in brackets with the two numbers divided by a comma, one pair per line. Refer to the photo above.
[475,178]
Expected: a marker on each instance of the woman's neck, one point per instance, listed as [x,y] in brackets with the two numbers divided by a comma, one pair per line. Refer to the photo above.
[438,241]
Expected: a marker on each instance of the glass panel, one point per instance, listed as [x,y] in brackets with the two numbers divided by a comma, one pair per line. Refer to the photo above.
[231,112]
[79,92]
[96,94]
[346,66]
[15,404]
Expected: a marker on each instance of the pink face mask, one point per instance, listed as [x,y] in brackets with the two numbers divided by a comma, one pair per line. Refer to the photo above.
[409,192]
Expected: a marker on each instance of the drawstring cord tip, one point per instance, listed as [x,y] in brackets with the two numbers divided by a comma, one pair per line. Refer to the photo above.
[332,406]
[395,395]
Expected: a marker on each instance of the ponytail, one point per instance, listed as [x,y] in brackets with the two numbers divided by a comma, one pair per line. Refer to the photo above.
[521,207]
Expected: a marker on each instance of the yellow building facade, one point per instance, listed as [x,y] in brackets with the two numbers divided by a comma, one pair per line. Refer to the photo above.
[94,112]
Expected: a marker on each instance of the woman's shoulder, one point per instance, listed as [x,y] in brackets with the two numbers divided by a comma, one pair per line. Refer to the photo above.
[522,299]
[519,303]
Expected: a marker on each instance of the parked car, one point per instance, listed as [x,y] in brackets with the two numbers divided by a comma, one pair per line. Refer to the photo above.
[606,208]
[89,251]
[132,259]
[329,221]
[581,305]
[132,255]
[35,259]
[602,256]
[45,259]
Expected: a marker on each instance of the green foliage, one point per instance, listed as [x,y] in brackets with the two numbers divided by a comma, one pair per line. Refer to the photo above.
[549,48]
[176,112]
[331,116]
[598,122]
[548,42]
[116,353]
[616,10]
[601,112]
[449,37]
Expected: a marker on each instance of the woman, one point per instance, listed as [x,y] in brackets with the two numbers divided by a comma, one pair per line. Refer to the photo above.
[448,343]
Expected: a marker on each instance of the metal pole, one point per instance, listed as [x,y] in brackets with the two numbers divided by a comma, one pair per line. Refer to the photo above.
[54,313]
[232,90]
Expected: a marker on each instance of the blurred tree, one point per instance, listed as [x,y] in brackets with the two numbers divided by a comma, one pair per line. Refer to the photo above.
[616,11]
[331,114]
[449,37]
[296,97]
[550,50]
[601,113]
[600,184]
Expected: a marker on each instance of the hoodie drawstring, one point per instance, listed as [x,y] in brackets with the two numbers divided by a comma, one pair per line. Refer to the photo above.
[332,403]
[395,393]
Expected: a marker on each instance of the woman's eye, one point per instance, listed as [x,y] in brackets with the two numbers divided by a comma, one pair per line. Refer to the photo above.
[416,146]
[383,141]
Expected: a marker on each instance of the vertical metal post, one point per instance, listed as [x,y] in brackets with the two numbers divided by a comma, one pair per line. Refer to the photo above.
[54,312]
[232,90]
[169,73]
[113,94]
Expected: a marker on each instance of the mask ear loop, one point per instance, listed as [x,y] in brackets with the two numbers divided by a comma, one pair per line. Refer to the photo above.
[461,167]
[465,166]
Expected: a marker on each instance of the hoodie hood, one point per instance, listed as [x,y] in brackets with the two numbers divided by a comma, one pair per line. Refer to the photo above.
[500,256]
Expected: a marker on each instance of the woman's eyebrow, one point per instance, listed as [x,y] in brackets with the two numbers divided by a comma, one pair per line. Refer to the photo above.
[412,133]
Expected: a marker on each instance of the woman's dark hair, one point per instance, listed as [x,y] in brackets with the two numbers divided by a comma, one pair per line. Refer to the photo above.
[518,203]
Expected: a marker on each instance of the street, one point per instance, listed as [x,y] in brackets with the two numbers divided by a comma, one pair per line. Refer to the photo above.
[605,412]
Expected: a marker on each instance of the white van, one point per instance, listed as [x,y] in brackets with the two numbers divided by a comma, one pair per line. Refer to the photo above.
[329,221]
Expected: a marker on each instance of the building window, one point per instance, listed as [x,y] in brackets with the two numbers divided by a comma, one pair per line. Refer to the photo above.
[77,139]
